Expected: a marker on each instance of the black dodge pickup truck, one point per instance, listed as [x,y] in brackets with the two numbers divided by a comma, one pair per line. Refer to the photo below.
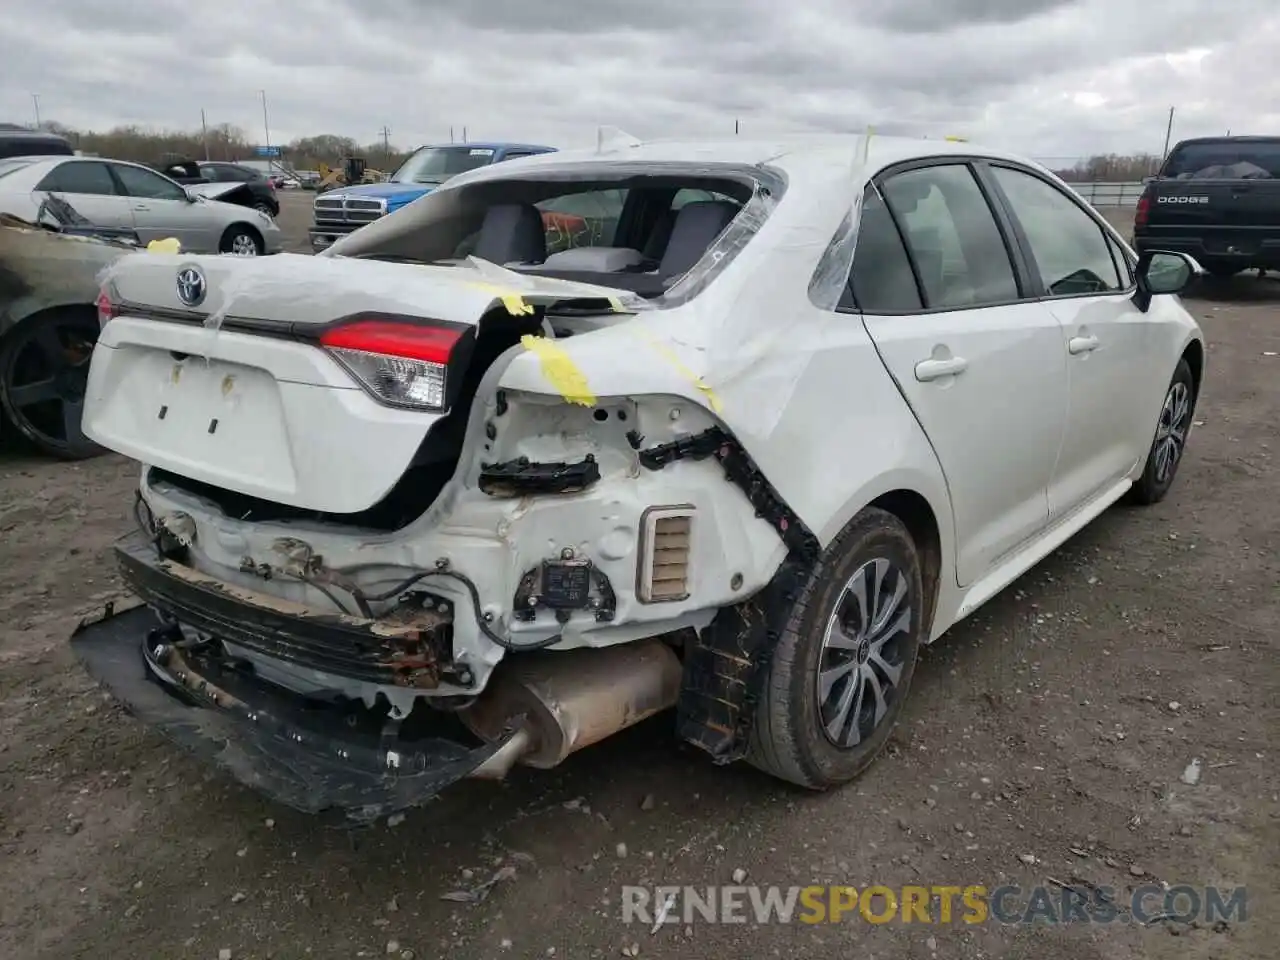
[1218,199]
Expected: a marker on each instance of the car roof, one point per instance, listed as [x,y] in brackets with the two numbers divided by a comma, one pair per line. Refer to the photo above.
[850,151]
[490,145]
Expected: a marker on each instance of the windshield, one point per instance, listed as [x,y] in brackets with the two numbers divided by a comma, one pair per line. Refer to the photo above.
[438,164]
[1224,159]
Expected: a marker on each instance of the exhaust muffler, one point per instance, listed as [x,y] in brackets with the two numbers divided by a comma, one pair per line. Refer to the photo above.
[571,700]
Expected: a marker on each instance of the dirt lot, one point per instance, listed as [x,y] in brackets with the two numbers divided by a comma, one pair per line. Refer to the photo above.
[1053,725]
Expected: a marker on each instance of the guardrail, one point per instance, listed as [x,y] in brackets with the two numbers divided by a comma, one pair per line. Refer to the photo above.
[1103,193]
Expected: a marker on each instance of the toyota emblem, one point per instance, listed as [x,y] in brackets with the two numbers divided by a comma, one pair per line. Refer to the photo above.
[191,286]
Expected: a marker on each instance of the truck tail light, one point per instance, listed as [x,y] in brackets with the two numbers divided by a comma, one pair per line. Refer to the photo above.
[1144,209]
[402,363]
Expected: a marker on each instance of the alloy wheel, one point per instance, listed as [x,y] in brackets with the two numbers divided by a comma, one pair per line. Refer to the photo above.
[1171,434]
[243,245]
[863,652]
[45,381]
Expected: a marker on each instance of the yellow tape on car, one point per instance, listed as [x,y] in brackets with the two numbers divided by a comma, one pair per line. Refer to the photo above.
[560,370]
[513,301]
[674,359]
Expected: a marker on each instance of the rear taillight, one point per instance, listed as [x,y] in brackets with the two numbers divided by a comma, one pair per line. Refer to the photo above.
[1144,210]
[400,363]
[107,309]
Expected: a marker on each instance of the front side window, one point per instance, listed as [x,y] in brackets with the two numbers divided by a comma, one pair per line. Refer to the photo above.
[146,185]
[1069,247]
[81,177]
[952,236]
[881,279]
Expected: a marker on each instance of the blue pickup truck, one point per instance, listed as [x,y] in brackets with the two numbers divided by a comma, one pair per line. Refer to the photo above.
[340,211]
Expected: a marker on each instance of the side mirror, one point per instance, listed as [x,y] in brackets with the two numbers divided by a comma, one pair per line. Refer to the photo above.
[1163,272]
[190,194]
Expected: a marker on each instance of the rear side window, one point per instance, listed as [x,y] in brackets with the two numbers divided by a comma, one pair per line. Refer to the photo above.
[881,278]
[147,185]
[82,177]
[952,236]
[1224,160]
[1069,247]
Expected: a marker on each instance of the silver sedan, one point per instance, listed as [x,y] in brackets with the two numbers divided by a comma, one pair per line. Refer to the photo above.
[129,197]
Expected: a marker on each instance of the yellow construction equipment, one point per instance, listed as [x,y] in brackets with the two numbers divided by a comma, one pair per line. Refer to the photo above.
[353,171]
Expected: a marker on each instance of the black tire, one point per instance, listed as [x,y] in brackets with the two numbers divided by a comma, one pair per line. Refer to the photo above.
[1156,480]
[788,739]
[238,236]
[44,372]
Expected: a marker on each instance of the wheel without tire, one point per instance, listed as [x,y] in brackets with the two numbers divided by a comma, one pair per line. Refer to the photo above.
[1170,440]
[242,241]
[844,662]
[44,373]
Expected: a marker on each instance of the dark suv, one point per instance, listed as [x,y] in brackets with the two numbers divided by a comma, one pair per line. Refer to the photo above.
[32,143]
[1218,199]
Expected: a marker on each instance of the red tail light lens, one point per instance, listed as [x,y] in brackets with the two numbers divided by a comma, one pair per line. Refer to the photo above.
[400,363]
[1144,209]
[107,310]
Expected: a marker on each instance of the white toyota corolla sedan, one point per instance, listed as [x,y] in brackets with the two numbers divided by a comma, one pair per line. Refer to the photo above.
[728,427]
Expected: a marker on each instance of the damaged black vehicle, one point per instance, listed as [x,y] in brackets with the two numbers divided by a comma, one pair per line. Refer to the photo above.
[49,321]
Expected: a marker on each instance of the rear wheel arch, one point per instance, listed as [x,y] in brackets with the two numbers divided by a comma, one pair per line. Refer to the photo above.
[918,516]
[1194,355]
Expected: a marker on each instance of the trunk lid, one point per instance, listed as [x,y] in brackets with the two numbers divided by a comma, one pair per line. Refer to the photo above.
[232,388]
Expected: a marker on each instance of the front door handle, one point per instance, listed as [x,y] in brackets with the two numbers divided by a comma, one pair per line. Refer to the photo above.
[1078,345]
[927,370]
[141,206]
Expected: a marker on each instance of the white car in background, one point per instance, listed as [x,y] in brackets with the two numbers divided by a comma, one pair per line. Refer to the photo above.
[128,196]
[785,414]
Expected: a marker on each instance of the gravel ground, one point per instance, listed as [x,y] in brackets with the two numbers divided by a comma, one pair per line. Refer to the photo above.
[1045,738]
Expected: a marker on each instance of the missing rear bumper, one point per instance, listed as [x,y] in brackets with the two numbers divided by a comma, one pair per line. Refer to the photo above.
[309,754]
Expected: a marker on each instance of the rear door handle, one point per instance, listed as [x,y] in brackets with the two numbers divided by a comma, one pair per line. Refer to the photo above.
[927,370]
[141,206]
[1078,345]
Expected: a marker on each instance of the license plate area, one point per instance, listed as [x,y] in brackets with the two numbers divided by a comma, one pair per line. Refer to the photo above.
[203,418]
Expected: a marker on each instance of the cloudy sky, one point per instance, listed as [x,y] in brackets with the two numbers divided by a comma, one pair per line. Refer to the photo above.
[1052,78]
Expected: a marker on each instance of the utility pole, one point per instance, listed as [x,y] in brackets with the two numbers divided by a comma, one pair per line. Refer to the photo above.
[386,142]
[266,128]
[464,134]
[451,134]
[35,98]
[204,133]
[1168,133]
[735,126]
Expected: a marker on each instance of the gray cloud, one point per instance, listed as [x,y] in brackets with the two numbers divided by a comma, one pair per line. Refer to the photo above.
[1053,78]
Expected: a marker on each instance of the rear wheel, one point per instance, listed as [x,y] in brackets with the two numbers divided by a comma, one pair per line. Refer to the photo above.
[265,208]
[1170,441]
[843,665]
[242,240]
[44,374]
